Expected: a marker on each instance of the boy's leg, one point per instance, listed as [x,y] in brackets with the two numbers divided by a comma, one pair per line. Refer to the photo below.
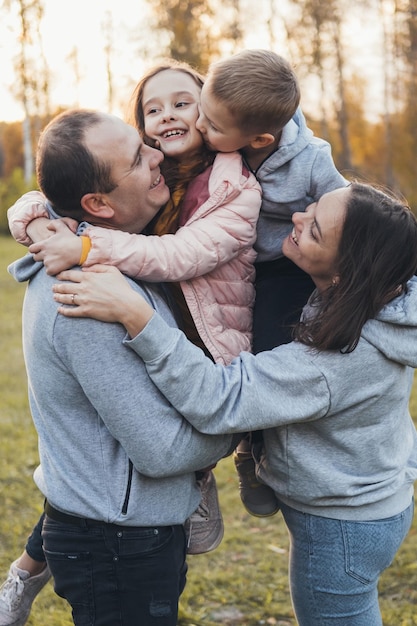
[26,578]
[258,499]
[282,289]
[113,575]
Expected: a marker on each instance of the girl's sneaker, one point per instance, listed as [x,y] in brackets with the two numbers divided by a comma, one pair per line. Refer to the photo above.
[18,593]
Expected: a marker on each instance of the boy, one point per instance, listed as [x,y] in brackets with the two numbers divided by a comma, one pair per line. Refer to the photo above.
[250,102]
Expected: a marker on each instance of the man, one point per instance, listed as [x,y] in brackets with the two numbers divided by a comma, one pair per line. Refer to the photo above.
[116,495]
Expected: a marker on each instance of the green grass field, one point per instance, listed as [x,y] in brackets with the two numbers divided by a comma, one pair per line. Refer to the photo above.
[243,582]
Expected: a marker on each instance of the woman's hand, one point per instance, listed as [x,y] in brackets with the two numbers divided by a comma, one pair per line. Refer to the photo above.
[60,250]
[103,293]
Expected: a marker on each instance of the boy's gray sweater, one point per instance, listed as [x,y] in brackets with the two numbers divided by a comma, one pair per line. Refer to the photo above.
[340,441]
[298,173]
[95,408]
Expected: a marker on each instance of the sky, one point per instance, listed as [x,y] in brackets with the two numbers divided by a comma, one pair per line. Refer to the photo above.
[66,25]
[79,24]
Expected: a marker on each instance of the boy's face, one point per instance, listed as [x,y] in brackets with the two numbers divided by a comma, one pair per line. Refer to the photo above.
[217,125]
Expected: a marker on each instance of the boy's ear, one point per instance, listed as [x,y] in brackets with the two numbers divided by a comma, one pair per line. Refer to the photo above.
[96,205]
[262,141]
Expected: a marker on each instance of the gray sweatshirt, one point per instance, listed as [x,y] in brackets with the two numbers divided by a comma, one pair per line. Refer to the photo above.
[298,173]
[339,439]
[95,408]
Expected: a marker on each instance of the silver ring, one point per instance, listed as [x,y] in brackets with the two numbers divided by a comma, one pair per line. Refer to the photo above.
[73,299]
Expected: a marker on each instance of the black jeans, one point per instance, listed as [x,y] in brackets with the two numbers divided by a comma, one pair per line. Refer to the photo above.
[116,575]
[34,545]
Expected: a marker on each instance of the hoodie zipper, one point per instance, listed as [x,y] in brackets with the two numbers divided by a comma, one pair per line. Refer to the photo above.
[129,486]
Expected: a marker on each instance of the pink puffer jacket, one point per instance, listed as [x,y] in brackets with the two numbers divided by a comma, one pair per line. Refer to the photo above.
[211,256]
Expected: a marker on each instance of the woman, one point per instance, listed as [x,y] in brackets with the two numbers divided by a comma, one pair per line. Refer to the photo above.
[340,449]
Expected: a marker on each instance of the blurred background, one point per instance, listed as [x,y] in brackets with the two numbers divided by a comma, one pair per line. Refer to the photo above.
[356,61]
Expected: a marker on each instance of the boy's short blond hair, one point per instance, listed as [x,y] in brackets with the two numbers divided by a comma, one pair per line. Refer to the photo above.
[258,87]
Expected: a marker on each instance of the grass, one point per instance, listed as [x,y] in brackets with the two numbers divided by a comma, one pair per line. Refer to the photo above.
[242,583]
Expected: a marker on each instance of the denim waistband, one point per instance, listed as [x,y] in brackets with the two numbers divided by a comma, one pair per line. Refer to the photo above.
[66,518]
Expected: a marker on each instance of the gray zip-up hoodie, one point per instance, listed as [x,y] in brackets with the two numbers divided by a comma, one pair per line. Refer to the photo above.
[298,173]
[340,441]
[111,446]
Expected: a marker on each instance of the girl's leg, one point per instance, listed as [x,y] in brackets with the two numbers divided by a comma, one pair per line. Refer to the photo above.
[335,566]
[33,559]
[26,578]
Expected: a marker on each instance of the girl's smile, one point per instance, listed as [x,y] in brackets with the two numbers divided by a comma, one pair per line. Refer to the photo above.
[170,108]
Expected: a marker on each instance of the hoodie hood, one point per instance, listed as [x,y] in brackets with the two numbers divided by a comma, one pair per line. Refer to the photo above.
[25,268]
[295,137]
[394,331]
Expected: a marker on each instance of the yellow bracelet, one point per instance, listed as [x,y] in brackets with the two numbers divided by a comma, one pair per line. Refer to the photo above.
[85,248]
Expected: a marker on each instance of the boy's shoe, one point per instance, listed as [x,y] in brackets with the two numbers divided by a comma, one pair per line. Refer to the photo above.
[258,499]
[17,594]
[204,528]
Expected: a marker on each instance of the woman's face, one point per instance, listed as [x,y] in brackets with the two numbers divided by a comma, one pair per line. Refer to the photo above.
[314,242]
[170,110]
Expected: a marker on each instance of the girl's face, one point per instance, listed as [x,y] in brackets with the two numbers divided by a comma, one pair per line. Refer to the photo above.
[313,244]
[170,110]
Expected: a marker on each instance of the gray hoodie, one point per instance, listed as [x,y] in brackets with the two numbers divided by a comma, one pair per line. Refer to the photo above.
[339,439]
[111,447]
[298,173]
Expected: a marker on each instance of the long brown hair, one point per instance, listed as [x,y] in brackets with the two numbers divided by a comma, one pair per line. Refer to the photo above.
[377,256]
[175,175]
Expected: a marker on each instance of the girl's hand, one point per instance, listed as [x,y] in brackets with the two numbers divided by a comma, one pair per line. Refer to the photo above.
[103,293]
[61,250]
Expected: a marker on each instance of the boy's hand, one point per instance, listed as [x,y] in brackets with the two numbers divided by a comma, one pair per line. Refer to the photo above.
[59,251]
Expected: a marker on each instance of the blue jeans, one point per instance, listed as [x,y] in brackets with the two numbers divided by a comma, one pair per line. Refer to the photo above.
[116,575]
[335,566]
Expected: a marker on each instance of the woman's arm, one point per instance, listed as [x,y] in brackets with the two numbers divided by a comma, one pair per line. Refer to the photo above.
[254,392]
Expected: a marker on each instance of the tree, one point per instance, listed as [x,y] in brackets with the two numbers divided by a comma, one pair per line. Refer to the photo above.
[193,31]
[316,28]
[32,84]
[107,28]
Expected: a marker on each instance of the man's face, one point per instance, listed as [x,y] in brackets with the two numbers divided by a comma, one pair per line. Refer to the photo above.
[141,189]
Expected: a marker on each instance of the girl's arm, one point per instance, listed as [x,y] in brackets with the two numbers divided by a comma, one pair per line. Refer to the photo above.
[61,250]
[194,250]
[50,241]
[29,207]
